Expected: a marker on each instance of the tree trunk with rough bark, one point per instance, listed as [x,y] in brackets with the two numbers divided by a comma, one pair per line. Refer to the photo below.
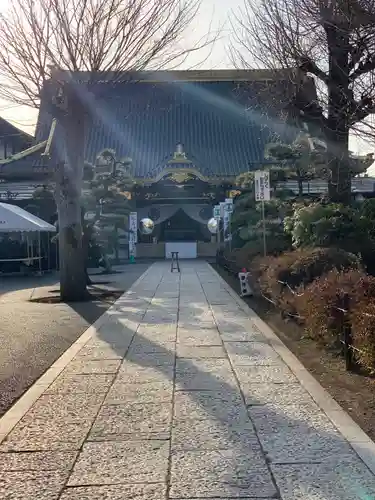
[73,278]
[299,182]
[339,186]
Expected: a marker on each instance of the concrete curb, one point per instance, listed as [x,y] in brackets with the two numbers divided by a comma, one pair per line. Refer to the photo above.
[11,418]
[357,438]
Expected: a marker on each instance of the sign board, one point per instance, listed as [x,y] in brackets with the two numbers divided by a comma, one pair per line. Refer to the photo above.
[222,208]
[229,205]
[226,227]
[262,185]
[133,233]
[133,225]
[216,212]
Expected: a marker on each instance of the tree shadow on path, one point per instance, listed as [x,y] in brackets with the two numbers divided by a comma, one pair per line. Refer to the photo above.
[243,427]
[238,431]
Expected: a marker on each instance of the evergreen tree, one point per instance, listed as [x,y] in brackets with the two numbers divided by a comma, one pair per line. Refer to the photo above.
[111,193]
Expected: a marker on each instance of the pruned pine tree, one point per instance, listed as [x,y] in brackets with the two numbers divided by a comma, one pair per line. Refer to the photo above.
[303,163]
[112,189]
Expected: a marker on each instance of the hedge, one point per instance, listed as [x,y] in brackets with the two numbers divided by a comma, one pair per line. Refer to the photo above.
[318,280]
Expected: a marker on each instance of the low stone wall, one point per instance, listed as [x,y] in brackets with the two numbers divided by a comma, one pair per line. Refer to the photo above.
[206,249]
[157,250]
[150,250]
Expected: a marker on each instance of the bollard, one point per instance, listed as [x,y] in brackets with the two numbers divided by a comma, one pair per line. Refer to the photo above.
[175,263]
[246,290]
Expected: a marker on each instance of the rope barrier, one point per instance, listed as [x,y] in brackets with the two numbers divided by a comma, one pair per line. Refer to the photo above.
[346,327]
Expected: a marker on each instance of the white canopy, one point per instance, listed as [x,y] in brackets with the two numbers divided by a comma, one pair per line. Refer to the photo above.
[14,219]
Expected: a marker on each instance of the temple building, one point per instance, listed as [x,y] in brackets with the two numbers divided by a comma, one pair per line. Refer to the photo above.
[186,136]
[12,140]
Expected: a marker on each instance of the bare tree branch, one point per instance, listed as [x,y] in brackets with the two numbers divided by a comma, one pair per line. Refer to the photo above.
[47,45]
[331,40]
[106,36]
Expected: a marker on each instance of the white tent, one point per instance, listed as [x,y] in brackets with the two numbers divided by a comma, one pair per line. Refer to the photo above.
[14,219]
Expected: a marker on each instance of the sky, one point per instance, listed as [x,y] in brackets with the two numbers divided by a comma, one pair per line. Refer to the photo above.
[212,11]
[215,12]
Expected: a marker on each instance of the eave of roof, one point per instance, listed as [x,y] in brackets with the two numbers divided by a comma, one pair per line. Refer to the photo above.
[220,75]
[13,130]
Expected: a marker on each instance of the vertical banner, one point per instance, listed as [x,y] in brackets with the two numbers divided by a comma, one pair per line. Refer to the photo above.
[257,178]
[228,209]
[229,204]
[217,217]
[266,185]
[216,212]
[262,185]
[222,208]
[262,194]
[133,234]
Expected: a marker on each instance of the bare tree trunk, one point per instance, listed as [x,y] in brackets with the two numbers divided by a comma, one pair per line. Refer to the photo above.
[73,279]
[300,187]
[86,238]
[72,265]
[339,186]
[299,182]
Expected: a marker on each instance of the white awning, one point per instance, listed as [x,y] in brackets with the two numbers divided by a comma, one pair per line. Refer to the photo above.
[14,219]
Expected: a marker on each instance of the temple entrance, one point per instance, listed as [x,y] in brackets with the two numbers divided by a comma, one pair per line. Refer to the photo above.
[179,198]
[180,234]
[180,227]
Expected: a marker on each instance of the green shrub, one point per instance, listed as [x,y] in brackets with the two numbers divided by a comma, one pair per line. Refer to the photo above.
[253,249]
[328,225]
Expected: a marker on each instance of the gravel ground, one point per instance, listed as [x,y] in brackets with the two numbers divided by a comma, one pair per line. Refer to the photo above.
[33,335]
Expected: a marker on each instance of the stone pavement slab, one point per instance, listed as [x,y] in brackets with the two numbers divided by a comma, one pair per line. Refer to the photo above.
[37,461]
[121,463]
[220,473]
[206,405]
[32,485]
[182,393]
[133,421]
[343,478]
[118,492]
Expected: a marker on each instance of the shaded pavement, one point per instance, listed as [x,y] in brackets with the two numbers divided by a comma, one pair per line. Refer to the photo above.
[179,395]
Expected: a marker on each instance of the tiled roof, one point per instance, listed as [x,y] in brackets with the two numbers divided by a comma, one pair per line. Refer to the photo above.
[195,75]
[222,129]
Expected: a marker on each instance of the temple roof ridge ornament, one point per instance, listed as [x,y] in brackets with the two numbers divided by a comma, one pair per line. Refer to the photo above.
[179,156]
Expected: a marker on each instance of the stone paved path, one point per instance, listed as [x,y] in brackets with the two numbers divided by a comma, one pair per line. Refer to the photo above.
[179,396]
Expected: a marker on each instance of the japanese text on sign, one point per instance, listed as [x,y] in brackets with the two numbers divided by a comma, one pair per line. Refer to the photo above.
[217,211]
[262,185]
